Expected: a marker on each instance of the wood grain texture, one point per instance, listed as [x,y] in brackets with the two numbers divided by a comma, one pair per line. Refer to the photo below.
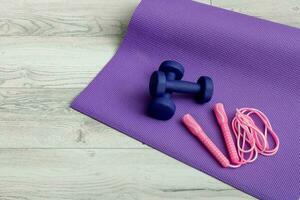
[285,12]
[38,61]
[93,174]
[49,51]
[46,121]
[64,18]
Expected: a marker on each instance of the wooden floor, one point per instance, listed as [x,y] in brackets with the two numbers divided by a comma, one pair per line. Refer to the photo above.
[49,51]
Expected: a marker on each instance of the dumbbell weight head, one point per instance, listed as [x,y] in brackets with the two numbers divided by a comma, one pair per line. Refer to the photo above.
[206,91]
[162,108]
[170,66]
[157,85]
[171,70]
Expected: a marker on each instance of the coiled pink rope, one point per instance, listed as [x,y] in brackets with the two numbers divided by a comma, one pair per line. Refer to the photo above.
[250,139]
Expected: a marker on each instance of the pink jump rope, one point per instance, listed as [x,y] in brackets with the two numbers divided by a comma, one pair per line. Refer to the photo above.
[250,139]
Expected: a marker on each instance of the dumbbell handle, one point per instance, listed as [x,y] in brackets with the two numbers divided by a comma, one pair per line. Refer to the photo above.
[182,87]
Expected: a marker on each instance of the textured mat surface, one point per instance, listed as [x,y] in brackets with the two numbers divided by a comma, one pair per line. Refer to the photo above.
[253,62]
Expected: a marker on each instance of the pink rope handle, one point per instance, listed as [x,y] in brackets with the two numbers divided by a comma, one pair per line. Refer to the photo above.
[223,123]
[197,131]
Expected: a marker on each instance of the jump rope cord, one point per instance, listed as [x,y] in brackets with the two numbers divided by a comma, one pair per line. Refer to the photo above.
[250,139]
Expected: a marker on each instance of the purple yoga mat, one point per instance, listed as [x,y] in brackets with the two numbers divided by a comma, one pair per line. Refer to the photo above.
[253,62]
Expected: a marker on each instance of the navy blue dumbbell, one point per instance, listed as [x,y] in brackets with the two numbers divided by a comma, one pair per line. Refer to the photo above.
[161,86]
[162,107]
[202,90]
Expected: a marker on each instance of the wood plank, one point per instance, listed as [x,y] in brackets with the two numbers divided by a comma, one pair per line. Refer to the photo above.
[104,174]
[83,134]
[89,18]
[65,18]
[285,12]
[37,104]
[22,57]
[26,77]
[41,118]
